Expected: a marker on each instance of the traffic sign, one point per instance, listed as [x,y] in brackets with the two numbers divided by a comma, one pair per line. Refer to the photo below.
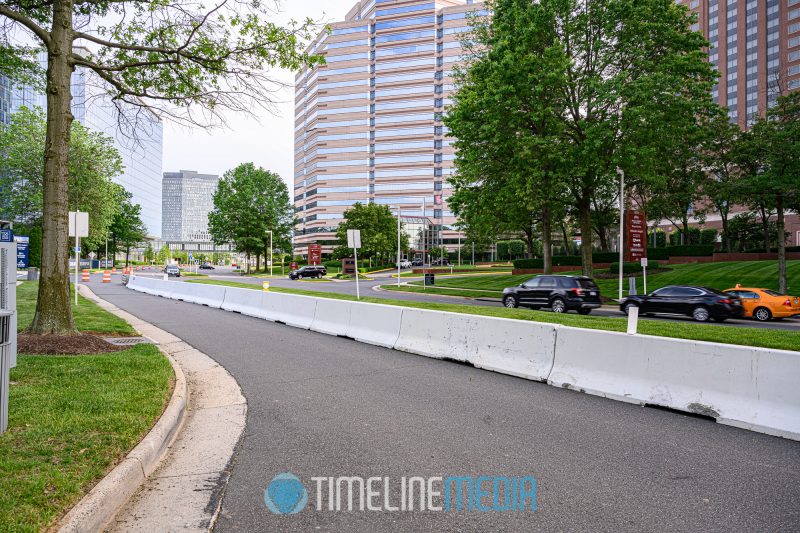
[78,224]
[643,262]
[354,238]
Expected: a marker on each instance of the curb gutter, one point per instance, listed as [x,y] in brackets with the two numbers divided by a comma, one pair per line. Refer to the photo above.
[99,506]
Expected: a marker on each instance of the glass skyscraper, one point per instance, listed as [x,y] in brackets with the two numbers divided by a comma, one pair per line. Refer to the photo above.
[188,197]
[368,124]
[137,135]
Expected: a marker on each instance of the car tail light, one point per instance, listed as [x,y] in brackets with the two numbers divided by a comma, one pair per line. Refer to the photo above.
[726,301]
[577,292]
[788,302]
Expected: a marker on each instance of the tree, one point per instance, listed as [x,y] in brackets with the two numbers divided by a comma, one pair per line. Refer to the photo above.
[191,62]
[164,254]
[93,163]
[149,253]
[723,175]
[250,202]
[127,230]
[773,151]
[378,232]
[504,118]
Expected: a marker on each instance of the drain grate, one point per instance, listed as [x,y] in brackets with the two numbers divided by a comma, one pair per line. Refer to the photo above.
[127,341]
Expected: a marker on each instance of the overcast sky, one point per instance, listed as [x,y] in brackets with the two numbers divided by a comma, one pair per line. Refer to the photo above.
[266,140]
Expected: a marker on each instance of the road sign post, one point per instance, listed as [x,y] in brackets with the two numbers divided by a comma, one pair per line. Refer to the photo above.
[643,262]
[78,227]
[354,242]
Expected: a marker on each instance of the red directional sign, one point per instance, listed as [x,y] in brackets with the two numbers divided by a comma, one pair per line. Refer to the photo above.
[314,254]
[635,235]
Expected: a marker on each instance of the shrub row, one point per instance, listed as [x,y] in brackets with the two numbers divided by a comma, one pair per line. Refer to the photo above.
[691,250]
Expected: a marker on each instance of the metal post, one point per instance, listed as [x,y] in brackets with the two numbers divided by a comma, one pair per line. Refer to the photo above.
[106,251]
[355,259]
[621,225]
[398,246]
[473,253]
[77,258]
[424,243]
[270,253]
[459,250]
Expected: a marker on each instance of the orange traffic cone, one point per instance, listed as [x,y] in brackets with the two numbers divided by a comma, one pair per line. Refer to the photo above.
[106,276]
[113,270]
[85,274]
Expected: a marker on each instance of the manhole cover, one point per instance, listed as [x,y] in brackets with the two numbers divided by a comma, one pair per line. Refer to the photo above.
[127,341]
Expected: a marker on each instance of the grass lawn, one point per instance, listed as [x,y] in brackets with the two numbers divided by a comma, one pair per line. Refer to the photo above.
[72,418]
[716,275]
[767,338]
[89,318]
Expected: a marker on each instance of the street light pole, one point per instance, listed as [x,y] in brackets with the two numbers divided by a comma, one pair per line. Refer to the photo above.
[270,253]
[621,224]
[398,245]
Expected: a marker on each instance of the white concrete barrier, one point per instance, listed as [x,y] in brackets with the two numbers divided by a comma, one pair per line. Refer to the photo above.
[291,309]
[149,286]
[332,316]
[210,295]
[245,301]
[375,324]
[515,347]
[752,388]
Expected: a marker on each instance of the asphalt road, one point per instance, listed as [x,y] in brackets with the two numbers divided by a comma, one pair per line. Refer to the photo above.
[369,288]
[326,406]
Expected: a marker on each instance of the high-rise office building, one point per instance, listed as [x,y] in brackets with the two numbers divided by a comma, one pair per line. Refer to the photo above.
[137,134]
[368,123]
[755,46]
[188,198]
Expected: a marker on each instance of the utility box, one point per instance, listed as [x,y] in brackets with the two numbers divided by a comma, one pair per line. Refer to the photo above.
[8,315]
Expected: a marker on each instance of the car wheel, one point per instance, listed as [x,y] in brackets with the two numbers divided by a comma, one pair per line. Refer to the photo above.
[700,314]
[762,314]
[558,306]
[510,302]
[584,311]
[628,307]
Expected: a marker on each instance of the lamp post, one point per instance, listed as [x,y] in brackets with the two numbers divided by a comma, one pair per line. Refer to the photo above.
[621,224]
[398,245]
[270,252]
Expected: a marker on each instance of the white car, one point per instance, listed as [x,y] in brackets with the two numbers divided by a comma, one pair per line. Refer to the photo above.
[405,263]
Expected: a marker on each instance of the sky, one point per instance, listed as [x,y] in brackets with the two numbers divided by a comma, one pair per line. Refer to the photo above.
[266,140]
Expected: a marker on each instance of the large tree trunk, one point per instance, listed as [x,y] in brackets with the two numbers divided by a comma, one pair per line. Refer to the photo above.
[547,251]
[53,312]
[765,227]
[567,247]
[726,240]
[585,210]
[781,223]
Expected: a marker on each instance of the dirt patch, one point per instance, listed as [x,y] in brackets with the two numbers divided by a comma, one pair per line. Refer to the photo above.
[64,344]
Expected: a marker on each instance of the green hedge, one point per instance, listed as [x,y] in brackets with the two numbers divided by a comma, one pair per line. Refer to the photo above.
[661,254]
[567,260]
[630,268]
[691,250]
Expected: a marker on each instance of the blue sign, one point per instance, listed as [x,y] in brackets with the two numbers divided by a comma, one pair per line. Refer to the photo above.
[6,235]
[23,252]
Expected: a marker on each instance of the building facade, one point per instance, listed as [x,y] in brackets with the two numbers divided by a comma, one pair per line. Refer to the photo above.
[188,198]
[755,46]
[368,123]
[137,134]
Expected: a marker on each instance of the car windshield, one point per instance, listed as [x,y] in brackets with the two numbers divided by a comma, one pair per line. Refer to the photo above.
[772,293]
[587,283]
[714,291]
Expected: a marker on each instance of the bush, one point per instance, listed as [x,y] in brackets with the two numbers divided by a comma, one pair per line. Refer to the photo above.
[630,268]
[661,254]
[605,257]
[691,250]
[529,263]
[332,264]
[708,236]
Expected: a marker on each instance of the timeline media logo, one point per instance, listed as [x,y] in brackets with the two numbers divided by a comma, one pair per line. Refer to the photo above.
[285,494]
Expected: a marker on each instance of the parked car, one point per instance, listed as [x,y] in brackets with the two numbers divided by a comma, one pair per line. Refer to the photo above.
[308,271]
[206,266]
[441,262]
[700,303]
[405,263]
[416,263]
[559,293]
[172,270]
[765,304]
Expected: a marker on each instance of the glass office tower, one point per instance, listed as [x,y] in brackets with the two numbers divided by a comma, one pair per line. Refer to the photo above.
[368,123]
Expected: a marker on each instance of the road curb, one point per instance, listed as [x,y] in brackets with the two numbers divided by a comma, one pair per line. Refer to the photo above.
[101,504]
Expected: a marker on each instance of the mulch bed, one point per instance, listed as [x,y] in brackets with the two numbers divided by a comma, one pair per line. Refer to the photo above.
[64,344]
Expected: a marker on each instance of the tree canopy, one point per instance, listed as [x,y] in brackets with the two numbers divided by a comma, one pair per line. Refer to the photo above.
[249,203]
[378,227]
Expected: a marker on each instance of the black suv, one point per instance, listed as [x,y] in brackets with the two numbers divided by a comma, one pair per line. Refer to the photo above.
[559,293]
[700,303]
[309,271]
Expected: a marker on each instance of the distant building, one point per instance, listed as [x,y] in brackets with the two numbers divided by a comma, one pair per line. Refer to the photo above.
[137,134]
[187,198]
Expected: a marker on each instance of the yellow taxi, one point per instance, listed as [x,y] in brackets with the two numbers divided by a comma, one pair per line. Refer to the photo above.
[766,304]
